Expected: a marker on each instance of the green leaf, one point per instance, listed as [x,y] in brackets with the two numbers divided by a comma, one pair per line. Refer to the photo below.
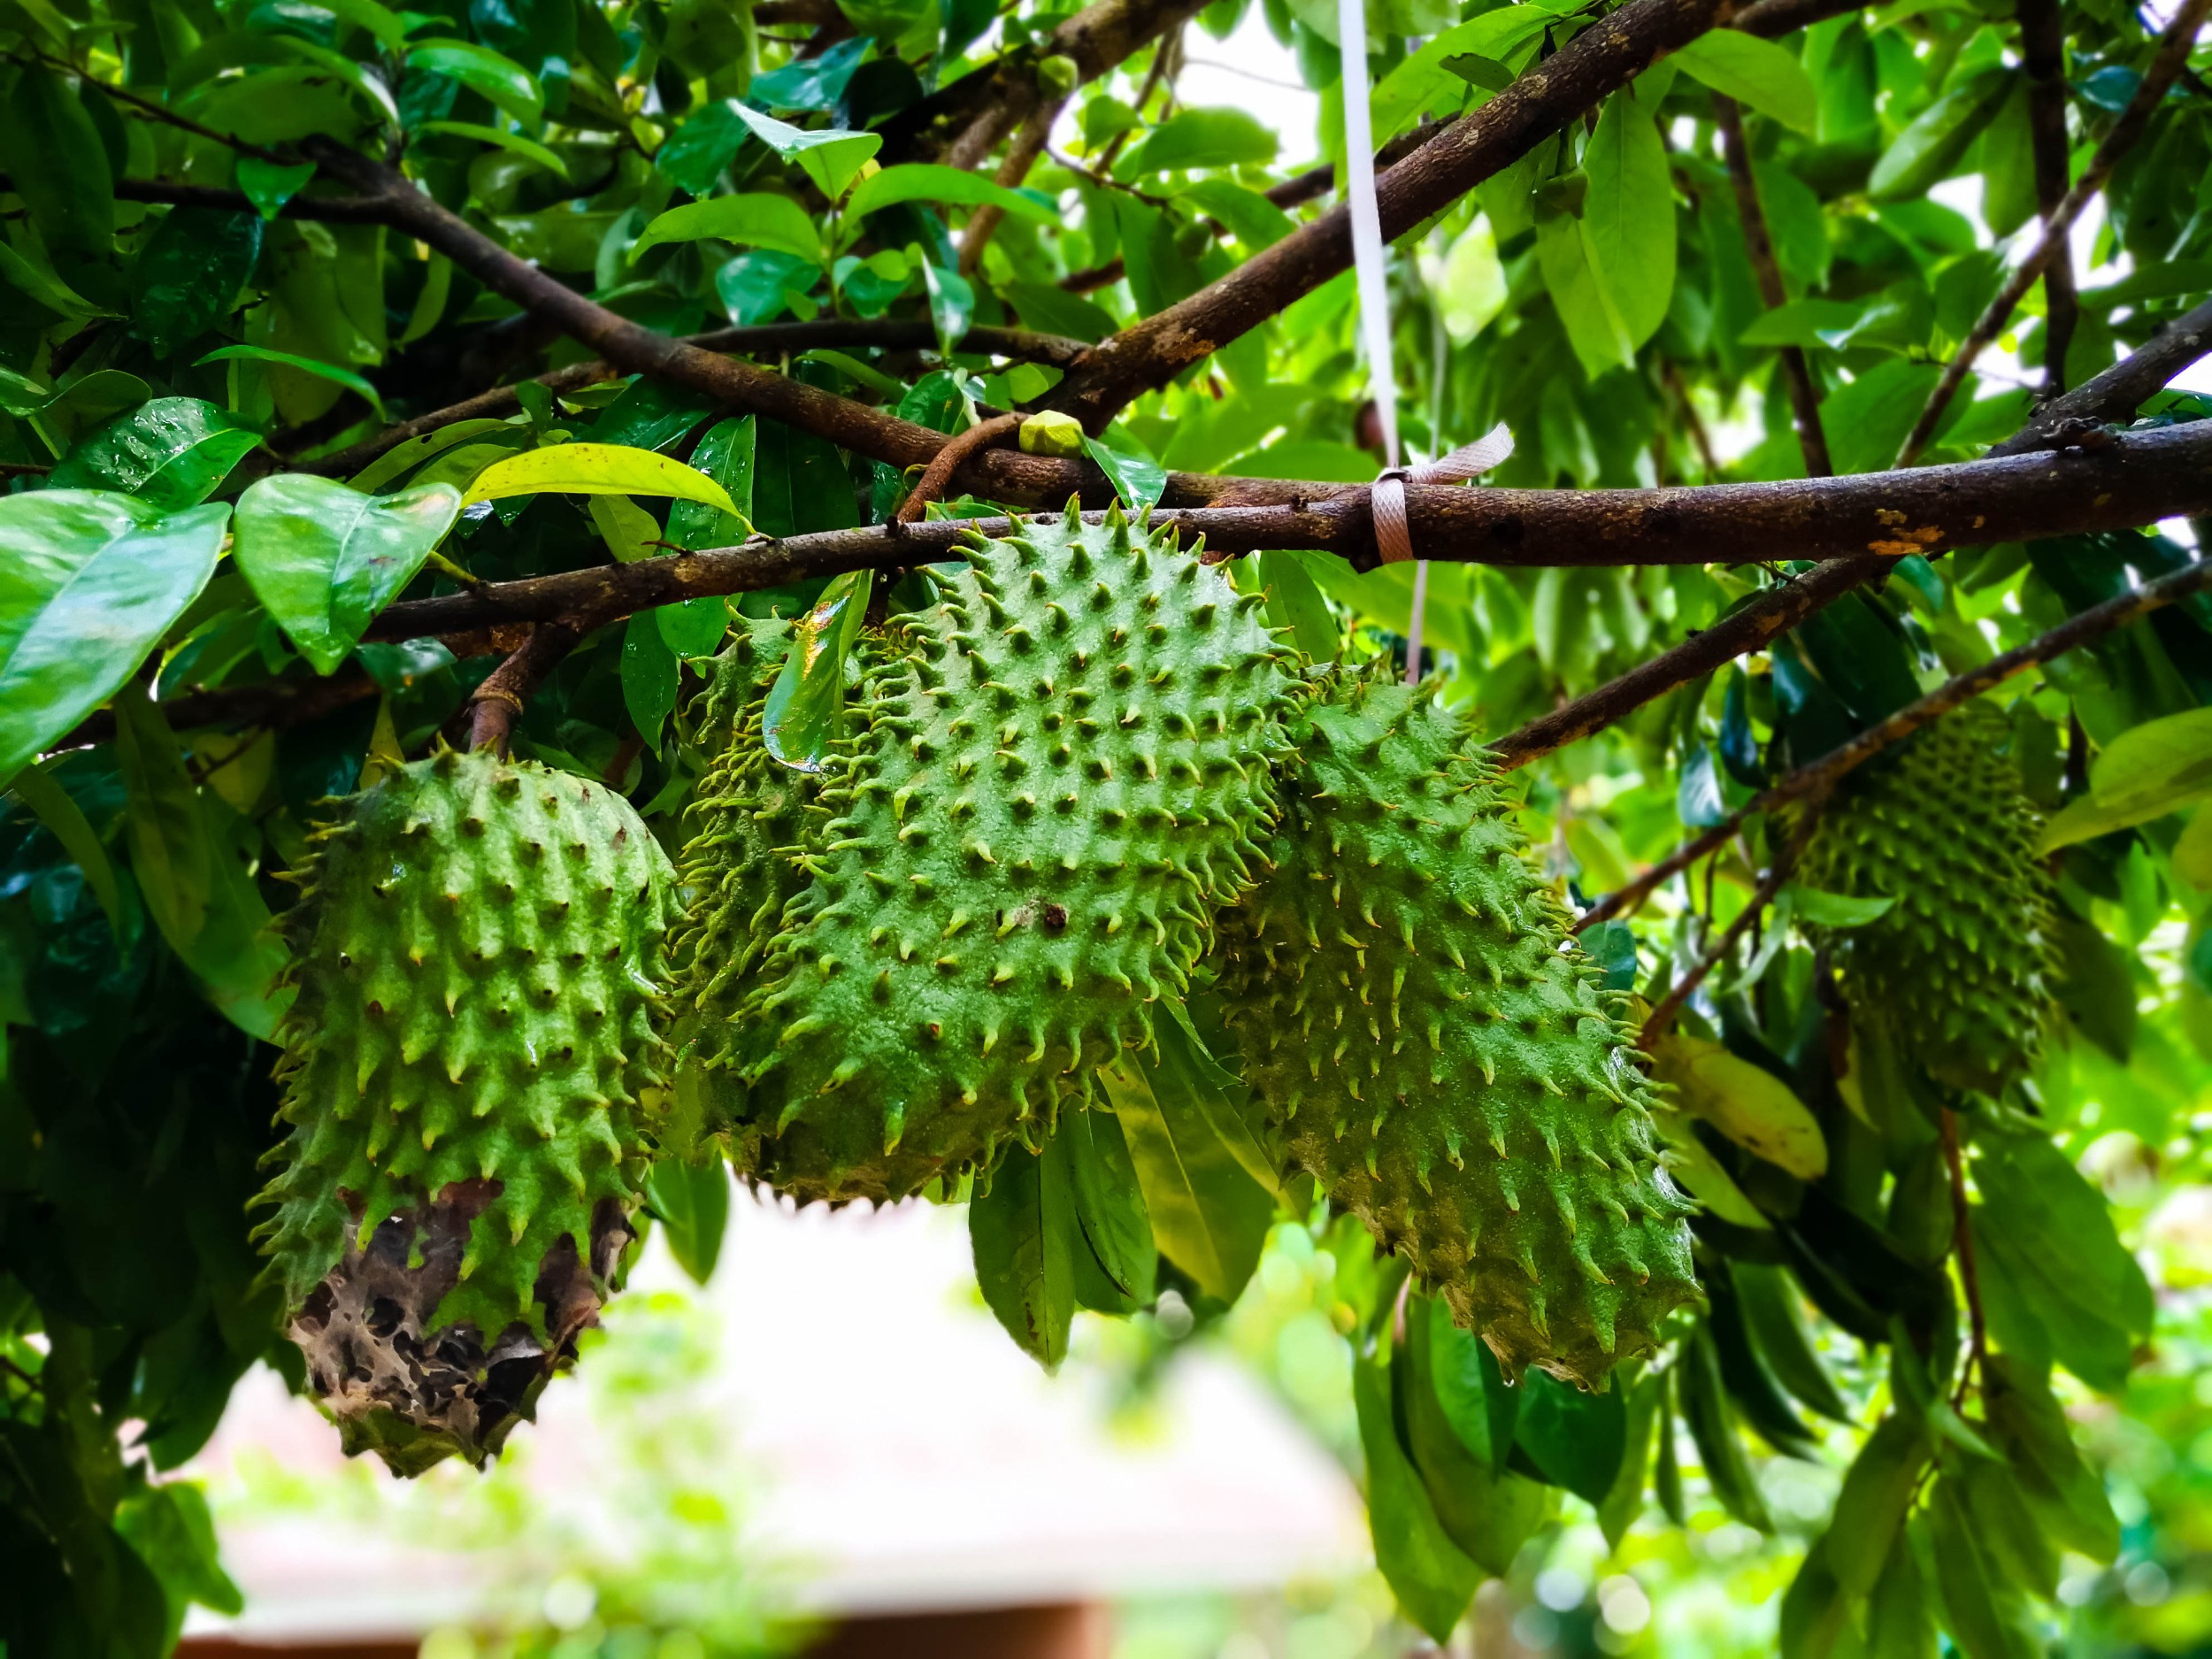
[650,676]
[171,453]
[1487,1513]
[269,185]
[1757,73]
[1482,1409]
[752,220]
[1712,1427]
[1428,1573]
[197,889]
[57,809]
[56,162]
[2146,773]
[39,282]
[506,83]
[1207,1213]
[2056,1480]
[514,143]
[1938,139]
[1200,138]
[1576,1439]
[1900,1618]
[169,1528]
[628,530]
[2064,1286]
[325,559]
[1052,311]
[1110,1202]
[1469,285]
[832,157]
[1981,1616]
[724,455]
[189,274]
[1747,1102]
[1582,294]
[951,304]
[1771,1312]
[1137,479]
[595,469]
[1022,1230]
[402,458]
[1835,910]
[88,584]
[1294,602]
[691,1198]
[805,710]
[1247,215]
[1410,86]
[1628,217]
[330,371]
[1625,1500]
[941,187]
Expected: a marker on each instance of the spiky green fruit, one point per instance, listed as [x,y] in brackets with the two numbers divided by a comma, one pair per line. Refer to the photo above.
[469,1066]
[739,869]
[1059,774]
[1414,1019]
[1963,966]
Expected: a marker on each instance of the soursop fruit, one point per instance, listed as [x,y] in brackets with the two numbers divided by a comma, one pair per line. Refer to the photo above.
[1963,969]
[1062,772]
[739,870]
[470,1071]
[1436,1053]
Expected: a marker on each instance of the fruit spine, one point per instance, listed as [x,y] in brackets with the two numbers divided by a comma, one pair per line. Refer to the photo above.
[1964,966]
[1062,771]
[1414,1018]
[467,1069]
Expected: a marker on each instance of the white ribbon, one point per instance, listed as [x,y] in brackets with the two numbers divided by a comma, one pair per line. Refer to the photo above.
[1387,500]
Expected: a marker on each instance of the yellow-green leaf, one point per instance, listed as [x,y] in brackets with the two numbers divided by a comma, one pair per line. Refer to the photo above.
[1747,1103]
[596,469]
[752,220]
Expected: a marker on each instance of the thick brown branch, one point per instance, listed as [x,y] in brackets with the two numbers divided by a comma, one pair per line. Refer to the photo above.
[1606,56]
[2171,57]
[2114,394]
[2043,55]
[1797,374]
[1816,776]
[882,333]
[2146,476]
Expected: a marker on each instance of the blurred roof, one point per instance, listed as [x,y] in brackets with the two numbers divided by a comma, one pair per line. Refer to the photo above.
[897,1450]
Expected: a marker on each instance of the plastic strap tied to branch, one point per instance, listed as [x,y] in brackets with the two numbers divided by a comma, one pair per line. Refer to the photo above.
[1387,500]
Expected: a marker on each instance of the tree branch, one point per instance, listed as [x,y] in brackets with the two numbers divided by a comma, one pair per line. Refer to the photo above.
[496,705]
[1819,776]
[2114,394]
[2144,476]
[2043,55]
[1797,374]
[882,333]
[1538,105]
[2171,57]
[338,209]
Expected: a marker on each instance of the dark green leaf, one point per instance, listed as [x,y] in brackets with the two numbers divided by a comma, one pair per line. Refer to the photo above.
[1576,1439]
[1109,1201]
[56,162]
[691,1198]
[189,273]
[173,452]
[1617,1512]
[726,455]
[1024,1230]
[2055,1480]
[88,584]
[325,559]
[1712,1426]
[1487,1513]
[1051,310]
[316,366]
[650,676]
[1770,1310]
[1981,1615]
[1473,1394]
[1137,479]
[1432,1579]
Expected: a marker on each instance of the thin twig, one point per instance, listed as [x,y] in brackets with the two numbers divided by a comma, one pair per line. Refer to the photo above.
[1029,143]
[1797,374]
[1822,774]
[939,474]
[1963,1241]
[2172,55]
[1663,1015]
[496,705]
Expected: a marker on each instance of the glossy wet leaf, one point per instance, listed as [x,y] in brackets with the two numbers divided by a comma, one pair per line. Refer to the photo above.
[805,709]
[1022,1230]
[171,452]
[88,583]
[325,559]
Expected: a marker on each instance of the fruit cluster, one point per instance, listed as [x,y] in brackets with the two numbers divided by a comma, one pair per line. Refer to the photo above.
[1082,772]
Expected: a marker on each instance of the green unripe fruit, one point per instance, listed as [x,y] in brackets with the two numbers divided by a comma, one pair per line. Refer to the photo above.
[1063,769]
[1963,966]
[739,870]
[1415,1020]
[469,1066]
